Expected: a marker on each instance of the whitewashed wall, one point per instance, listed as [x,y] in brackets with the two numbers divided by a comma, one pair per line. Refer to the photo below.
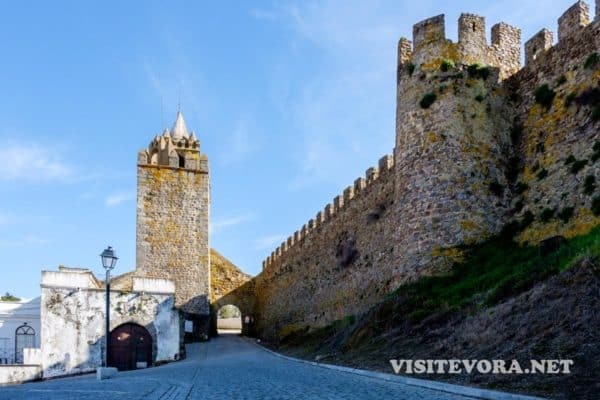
[72,323]
[13,315]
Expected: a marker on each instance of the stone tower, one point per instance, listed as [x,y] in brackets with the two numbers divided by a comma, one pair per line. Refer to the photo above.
[173,203]
[453,125]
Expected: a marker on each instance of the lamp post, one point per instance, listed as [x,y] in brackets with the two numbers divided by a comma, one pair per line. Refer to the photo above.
[109,260]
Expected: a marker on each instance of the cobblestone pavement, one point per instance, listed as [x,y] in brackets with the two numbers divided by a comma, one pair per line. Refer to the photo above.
[228,367]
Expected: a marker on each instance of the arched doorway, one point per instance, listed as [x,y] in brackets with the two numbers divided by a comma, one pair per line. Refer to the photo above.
[24,338]
[130,347]
[229,320]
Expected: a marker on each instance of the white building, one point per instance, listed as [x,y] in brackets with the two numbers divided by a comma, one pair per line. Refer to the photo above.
[63,331]
[19,329]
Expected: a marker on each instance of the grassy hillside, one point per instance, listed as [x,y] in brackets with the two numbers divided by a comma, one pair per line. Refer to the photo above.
[501,301]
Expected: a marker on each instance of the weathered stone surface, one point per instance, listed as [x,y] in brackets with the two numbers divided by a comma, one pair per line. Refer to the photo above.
[550,137]
[73,322]
[480,155]
[172,231]
[19,373]
[338,267]
[224,276]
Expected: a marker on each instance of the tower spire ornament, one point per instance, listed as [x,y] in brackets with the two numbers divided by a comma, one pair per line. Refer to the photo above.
[179,130]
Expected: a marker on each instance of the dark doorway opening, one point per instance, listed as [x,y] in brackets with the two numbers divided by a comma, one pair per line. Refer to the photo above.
[130,347]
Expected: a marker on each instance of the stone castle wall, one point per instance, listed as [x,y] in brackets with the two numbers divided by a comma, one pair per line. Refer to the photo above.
[466,162]
[172,232]
[550,137]
[429,47]
[338,264]
[450,164]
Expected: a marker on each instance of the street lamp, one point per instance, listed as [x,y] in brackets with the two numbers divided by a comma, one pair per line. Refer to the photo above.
[109,260]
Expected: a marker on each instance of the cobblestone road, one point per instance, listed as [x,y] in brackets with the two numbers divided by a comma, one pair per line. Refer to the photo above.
[225,368]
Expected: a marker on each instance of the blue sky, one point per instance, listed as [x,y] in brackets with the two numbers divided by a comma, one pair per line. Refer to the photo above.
[290,100]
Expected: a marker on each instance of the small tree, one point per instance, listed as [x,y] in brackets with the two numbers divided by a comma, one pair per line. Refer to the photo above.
[229,311]
[9,297]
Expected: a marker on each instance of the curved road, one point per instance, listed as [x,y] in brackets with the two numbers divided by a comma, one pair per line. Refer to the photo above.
[227,367]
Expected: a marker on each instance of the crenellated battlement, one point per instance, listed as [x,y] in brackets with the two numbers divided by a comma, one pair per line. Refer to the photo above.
[575,18]
[430,46]
[332,210]
[175,149]
[570,24]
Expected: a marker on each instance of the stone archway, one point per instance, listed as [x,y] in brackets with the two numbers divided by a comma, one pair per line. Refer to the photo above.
[130,347]
[243,298]
[229,319]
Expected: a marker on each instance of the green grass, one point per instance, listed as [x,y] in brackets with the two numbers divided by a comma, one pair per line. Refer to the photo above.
[492,271]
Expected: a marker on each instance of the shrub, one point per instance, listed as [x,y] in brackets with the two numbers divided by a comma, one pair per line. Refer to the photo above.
[9,297]
[561,80]
[596,205]
[519,206]
[514,97]
[410,68]
[520,188]
[428,100]
[578,166]
[479,98]
[516,131]
[596,149]
[478,71]
[496,188]
[589,97]
[596,113]
[571,159]
[512,169]
[527,220]
[591,61]
[542,174]
[547,214]
[544,96]
[447,65]
[589,185]
[570,98]
[565,214]
[539,148]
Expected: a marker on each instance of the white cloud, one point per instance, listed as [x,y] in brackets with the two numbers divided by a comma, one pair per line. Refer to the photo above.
[118,198]
[269,242]
[33,162]
[221,224]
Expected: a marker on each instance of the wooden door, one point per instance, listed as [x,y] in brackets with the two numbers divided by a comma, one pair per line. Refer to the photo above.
[130,347]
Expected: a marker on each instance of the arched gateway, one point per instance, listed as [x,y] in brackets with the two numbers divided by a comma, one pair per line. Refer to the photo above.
[130,347]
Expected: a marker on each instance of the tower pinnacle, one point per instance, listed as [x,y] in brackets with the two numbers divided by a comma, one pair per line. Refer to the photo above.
[179,130]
